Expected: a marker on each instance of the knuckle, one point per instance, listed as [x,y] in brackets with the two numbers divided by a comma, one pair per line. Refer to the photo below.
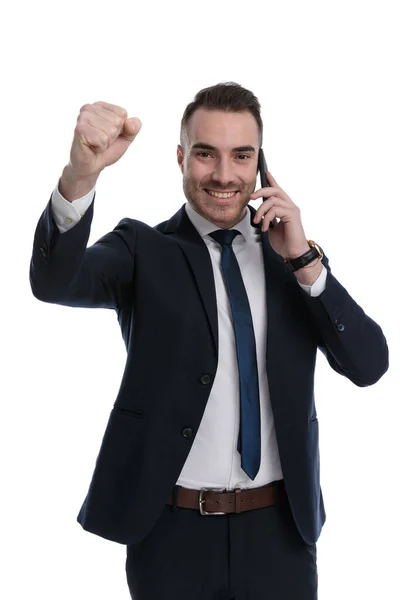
[85,107]
[119,121]
[80,129]
[82,118]
[113,130]
[103,139]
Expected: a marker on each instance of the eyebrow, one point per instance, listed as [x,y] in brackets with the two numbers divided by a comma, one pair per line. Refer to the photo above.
[204,146]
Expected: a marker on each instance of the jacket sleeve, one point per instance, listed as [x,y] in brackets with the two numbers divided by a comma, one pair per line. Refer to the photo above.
[353,344]
[64,271]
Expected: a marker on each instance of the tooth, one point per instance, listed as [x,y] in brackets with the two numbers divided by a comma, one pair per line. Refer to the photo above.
[223,195]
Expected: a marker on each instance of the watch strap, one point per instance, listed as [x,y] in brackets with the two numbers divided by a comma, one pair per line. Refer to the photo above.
[294,264]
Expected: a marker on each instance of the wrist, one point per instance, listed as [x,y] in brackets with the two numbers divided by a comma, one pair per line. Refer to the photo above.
[309,274]
[306,259]
[302,250]
[72,187]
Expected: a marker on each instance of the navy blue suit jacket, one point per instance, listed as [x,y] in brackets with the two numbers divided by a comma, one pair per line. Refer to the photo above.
[159,280]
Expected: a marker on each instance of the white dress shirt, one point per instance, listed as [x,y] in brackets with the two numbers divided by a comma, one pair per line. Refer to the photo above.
[213,460]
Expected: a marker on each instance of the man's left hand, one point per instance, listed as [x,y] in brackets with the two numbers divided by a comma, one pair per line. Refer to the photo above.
[287,237]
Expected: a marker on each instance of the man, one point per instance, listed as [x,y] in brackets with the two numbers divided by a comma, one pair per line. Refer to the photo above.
[222,315]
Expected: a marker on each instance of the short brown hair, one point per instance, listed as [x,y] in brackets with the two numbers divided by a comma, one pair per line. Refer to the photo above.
[227,96]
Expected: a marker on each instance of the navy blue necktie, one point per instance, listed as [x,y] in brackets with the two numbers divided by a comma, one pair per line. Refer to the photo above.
[249,441]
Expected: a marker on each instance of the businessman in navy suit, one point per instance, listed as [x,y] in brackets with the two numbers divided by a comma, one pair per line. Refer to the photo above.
[209,466]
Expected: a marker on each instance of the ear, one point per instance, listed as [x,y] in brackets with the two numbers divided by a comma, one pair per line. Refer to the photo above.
[180,157]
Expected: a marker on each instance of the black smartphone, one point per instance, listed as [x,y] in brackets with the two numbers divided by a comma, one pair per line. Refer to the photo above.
[262,169]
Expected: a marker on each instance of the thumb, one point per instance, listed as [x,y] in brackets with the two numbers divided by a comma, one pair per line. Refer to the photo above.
[131,128]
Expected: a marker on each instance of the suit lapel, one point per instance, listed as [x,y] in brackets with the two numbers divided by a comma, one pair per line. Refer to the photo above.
[182,230]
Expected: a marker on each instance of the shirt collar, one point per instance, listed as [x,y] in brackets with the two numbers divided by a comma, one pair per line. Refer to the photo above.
[204,227]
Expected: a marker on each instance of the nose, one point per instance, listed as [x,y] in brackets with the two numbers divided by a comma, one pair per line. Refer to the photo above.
[223,172]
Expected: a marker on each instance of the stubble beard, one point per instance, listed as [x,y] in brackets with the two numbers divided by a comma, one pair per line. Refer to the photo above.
[219,215]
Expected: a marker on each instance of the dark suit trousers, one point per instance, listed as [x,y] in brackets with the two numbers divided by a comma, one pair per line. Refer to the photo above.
[254,555]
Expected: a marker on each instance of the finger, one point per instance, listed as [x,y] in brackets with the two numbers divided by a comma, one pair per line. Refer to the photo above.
[268,217]
[267,205]
[93,137]
[111,126]
[109,116]
[131,128]
[118,110]
[264,193]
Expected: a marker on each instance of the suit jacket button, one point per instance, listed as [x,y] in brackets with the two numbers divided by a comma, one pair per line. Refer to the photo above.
[187,432]
[43,250]
[205,379]
[339,326]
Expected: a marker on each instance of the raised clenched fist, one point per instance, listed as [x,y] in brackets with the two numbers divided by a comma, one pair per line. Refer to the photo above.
[102,135]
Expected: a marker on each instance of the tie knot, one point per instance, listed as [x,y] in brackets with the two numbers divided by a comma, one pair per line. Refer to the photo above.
[224,237]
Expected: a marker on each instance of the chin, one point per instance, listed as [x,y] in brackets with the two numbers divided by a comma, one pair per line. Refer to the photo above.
[220,214]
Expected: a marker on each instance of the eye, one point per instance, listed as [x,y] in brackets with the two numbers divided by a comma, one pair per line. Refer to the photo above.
[243,156]
[202,154]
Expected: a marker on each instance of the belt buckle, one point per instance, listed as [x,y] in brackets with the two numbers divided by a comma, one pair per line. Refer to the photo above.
[201,501]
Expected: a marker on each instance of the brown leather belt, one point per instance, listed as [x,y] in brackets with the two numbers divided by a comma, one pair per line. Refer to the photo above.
[220,501]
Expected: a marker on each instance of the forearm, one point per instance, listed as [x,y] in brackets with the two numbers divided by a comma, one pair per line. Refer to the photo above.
[72,188]
[352,342]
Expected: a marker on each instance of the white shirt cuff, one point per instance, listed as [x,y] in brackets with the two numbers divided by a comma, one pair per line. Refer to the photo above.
[67,214]
[318,286]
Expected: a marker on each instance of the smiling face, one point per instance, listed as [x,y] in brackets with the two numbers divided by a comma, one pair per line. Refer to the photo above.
[219,164]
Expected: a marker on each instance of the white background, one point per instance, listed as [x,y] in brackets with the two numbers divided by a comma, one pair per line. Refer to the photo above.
[326,74]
